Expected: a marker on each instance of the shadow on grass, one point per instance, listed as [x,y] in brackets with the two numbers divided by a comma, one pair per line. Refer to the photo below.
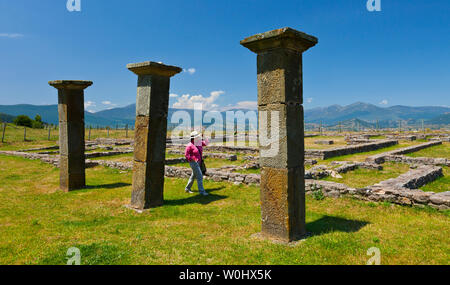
[107,186]
[197,198]
[328,224]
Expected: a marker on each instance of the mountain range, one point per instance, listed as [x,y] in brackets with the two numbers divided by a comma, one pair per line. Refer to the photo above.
[366,114]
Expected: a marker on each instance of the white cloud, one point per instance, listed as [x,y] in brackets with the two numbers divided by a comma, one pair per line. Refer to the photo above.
[188,101]
[11,36]
[88,105]
[109,105]
[384,102]
[249,105]
[173,95]
[309,100]
[190,70]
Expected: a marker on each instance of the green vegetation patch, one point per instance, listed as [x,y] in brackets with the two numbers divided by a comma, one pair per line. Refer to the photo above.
[437,151]
[442,184]
[39,223]
[360,178]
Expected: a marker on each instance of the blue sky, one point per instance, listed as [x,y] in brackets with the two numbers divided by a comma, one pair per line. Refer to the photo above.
[400,55]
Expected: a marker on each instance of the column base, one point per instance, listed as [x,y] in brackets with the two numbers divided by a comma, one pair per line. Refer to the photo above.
[265,237]
[139,211]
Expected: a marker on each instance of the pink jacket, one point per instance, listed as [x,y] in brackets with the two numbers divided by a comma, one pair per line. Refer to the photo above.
[193,152]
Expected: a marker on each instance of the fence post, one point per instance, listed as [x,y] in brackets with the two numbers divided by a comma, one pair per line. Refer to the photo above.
[49,129]
[24,134]
[4,129]
[107,132]
[126,131]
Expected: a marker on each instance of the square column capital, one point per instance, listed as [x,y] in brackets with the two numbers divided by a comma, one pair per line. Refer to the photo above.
[286,38]
[70,84]
[153,68]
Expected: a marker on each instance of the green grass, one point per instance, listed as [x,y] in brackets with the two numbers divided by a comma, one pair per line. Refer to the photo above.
[39,223]
[360,178]
[437,151]
[442,184]
[339,141]
[14,136]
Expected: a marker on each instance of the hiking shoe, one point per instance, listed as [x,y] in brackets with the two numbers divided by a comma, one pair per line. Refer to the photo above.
[204,194]
[188,191]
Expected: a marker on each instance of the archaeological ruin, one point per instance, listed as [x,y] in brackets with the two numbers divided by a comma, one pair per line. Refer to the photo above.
[71,132]
[152,106]
[284,176]
[280,91]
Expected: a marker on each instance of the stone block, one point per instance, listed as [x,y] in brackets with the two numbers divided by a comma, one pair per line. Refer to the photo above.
[71,138]
[150,142]
[148,185]
[283,203]
[152,96]
[290,152]
[71,105]
[279,77]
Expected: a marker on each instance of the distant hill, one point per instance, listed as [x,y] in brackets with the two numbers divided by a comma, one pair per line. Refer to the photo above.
[440,120]
[49,114]
[371,113]
[364,114]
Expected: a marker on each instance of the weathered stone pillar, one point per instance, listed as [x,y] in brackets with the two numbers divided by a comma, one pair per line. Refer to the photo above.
[152,106]
[71,132]
[280,89]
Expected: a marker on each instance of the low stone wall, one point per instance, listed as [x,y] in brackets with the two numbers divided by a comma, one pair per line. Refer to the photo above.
[418,160]
[346,166]
[381,158]
[403,137]
[401,190]
[398,190]
[40,148]
[107,141]
[108,153]
[339,151]
[325,142]
[413,179]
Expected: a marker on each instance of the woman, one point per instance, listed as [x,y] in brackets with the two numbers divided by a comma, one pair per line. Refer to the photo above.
[193,154]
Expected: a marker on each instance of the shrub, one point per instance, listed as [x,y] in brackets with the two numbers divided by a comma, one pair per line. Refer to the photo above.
[23,120]
[317,192]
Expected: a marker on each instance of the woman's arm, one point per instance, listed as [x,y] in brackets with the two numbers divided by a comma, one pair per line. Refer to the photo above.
[205,142]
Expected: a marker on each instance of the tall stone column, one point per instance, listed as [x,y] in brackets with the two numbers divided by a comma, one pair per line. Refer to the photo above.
[152,106]
[71,132]
[280,92]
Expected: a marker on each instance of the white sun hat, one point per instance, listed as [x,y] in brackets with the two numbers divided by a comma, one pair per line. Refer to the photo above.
[195,135]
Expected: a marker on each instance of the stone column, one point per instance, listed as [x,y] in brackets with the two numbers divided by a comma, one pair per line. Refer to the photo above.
[71,132]
[152,106]
[280,89]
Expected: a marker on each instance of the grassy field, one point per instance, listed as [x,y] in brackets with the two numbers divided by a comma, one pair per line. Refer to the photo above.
[438,151]
[14,136]
[38,223]
[442,184]
[338,142]
[360,178]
